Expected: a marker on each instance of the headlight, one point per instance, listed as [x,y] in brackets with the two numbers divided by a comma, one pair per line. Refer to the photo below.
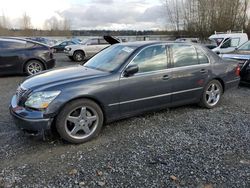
[41,100]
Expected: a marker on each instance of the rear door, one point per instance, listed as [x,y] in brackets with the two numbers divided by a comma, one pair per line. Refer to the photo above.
[190,71]
[11,55]
[151,86]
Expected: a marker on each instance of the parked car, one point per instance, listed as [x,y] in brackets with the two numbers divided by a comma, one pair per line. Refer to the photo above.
[123,80]
[242,55]
[24,56]
[227,42]
[89,48]
[42,40]
[194,40]
[60,47]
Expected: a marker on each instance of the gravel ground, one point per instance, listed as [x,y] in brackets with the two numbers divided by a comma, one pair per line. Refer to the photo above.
[179,147]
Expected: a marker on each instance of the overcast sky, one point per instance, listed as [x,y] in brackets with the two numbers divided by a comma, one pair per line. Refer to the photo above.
[89,14]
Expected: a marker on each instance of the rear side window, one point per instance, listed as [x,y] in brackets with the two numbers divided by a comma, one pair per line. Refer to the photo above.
[235,42]
[30,45]
[203,59]
[152,58]
[12,45]
[94,42]
[102,41]
[184,55]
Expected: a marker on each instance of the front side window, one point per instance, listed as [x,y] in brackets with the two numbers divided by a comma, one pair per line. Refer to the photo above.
[184,55]
[151,59]
[233,42]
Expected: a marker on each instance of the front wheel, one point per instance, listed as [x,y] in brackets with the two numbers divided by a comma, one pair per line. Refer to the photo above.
[80,121]
[212,94]
[78,56]
[33,67]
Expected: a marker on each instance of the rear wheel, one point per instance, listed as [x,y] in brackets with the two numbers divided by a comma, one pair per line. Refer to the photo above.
[212,94]
[33,67]
[80,121]
[78,56]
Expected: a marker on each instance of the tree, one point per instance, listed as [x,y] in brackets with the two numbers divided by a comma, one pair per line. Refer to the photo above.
[25,25]
[25,22]
[203,17]
[4,25]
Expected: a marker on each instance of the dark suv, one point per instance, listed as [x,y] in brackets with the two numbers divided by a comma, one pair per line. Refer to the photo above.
[24,56]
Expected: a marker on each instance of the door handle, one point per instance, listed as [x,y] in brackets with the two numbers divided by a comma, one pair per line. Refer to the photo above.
[165,77]
[203,71]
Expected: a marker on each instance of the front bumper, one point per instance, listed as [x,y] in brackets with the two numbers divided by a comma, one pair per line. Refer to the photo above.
[50,64]
[29,120]
[68,53]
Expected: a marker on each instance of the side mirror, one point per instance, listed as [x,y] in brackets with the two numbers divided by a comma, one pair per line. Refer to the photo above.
[131,70]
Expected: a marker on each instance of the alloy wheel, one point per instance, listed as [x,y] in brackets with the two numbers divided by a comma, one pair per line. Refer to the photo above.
[213,94]
[81,122]
[34,68]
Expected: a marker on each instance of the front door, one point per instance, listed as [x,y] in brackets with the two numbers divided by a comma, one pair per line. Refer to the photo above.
[151,86]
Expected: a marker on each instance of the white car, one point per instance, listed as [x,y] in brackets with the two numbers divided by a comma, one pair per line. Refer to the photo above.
[88,48]
[228,42]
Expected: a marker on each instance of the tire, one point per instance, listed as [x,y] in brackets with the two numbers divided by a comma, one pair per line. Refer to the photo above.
[80,121]
[33,67]
[71,58]
[78,56]
[212,95]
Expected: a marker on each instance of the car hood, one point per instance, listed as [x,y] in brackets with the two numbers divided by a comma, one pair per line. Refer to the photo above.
[60,76]
[111,40]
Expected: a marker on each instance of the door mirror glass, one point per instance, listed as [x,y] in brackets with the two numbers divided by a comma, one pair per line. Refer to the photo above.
[131,70]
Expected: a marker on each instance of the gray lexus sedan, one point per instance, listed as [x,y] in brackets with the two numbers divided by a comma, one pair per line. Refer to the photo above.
[121,81]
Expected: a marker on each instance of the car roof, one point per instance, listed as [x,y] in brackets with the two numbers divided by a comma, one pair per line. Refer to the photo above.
[12,40]
[17,39]
[148,43]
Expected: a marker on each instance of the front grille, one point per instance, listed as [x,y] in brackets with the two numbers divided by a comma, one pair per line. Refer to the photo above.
[20,93]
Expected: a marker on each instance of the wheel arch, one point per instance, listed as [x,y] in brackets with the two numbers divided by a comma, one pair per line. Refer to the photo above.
[221,82]
[94,99]
[53,124]
[79,50]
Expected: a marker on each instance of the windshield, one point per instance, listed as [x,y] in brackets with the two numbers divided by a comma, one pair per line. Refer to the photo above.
[85,41]
[217,40]
[111,58]
[245,46]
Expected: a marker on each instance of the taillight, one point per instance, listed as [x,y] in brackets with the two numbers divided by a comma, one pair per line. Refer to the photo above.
[237,71]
